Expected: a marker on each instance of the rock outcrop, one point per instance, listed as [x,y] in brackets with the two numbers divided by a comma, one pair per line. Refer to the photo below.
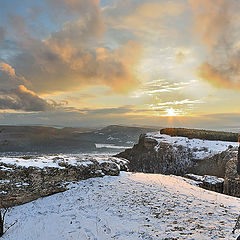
[151,155]
[216,171]
[232,180]
[167,159]
[21,184]
[211,183]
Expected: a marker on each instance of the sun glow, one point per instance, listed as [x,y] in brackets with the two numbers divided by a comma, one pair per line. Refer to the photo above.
[171,112]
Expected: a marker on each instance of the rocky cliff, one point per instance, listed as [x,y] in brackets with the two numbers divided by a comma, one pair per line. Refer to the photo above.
[24,179]
[160,153]
[232,179]
[229,185]
[213,163]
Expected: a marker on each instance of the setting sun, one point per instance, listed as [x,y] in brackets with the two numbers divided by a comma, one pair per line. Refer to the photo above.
[171,112]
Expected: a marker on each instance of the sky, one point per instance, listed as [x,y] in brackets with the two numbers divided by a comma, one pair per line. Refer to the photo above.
[132,62]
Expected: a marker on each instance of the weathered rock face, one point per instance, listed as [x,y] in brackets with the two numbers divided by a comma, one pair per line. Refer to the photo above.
[232,180]
[211,183]
[232,187]
[167,159]
[215,165]
[20,184]
[231,169]
[150,156]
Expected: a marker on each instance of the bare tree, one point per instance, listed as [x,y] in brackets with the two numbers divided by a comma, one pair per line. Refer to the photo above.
[3,212]
[237,225]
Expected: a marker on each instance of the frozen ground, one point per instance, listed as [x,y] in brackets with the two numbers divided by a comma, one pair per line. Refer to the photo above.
[200,148]
[128,207]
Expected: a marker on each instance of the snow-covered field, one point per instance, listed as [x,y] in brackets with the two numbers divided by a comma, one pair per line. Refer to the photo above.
[200,148]
[127,207]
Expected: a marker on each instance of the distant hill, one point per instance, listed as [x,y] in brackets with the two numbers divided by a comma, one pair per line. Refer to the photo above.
[40,139]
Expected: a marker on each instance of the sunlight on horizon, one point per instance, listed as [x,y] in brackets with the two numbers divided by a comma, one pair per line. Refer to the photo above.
[171,112]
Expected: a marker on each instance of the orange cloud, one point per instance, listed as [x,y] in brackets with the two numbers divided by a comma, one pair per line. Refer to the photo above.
[216,77]
[8,69]
[124,78]
[14,95]
[143,17]
[215,22]
[112,68]
[23,89]
[75,56]
[20,98]
[211,19]
[157,10]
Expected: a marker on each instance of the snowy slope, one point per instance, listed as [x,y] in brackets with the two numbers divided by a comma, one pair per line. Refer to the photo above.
[127,207]
[200,148]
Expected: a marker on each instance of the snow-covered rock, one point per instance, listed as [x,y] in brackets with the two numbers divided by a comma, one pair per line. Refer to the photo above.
[23,179]
[200,148]
[161,153]
[212,183]
[127,207]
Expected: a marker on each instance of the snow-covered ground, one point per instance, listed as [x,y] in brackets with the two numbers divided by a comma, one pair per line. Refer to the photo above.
[200,148]
[58,161]
[127,207]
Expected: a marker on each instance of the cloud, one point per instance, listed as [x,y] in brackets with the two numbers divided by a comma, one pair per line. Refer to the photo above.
[182,102]
[216,22]
[162,85]
[23,99]
[110,111]
[8,69]
[14,95]
[157,10]
[220,78]
[2,34]
[76,56]
[8,77]
[72,69]
[182,107]
[87,24]
[212,20]
[74,6]
[142,16]
[180,57]
[114,111]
